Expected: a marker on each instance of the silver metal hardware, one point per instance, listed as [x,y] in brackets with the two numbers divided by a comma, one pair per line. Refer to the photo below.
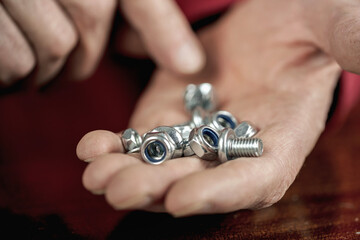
[184,130]
[221,120]
[204,142]
[231,147]
[201,95]
[131,140]
[198,136]
[160,144]
[197,120]
[245,130]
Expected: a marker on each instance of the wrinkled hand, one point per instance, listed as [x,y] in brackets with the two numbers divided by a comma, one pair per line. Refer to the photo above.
[46,34]
[269,65]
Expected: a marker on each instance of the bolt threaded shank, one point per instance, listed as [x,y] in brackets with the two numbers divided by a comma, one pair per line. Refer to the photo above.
[245,147]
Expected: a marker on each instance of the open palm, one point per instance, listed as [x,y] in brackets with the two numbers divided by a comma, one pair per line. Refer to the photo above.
[275,74]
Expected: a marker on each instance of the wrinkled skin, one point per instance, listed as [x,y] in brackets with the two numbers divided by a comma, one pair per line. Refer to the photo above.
[269,64]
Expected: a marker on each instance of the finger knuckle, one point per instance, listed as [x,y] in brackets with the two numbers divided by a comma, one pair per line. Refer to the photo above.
[61,45]
[90,14]
[22,67]
[25,67]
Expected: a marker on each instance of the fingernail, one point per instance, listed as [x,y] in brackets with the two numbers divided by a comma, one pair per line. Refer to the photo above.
[191,209]
[134,202]
[190,57]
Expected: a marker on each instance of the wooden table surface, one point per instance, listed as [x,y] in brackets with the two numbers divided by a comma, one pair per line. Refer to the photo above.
[323,202]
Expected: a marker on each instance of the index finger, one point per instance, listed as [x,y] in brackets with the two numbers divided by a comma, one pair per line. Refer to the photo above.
[166,34]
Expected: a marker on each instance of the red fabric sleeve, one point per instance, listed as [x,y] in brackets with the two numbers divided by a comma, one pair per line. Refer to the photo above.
[196,10]
[349,95]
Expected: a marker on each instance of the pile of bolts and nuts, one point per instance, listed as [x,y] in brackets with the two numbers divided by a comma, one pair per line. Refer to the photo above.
[210,134]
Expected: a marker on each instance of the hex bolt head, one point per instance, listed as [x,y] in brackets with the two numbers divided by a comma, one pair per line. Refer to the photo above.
[201,95]
[221,120]
[204,142]
[131,140]
[231,147]
[197,120]
[160,144]
[245,130]
[184,130]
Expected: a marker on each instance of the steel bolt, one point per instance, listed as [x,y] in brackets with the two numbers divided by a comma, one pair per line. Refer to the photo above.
[231,147]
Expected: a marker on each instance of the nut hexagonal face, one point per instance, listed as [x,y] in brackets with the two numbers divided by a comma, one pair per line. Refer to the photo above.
[157,147]
[187,152]
[223,119]
[184,130]
[204,142]
[174,135]
[131,140]
[245,130]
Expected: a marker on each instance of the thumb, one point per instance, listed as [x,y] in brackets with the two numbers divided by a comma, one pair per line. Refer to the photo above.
[336,25]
